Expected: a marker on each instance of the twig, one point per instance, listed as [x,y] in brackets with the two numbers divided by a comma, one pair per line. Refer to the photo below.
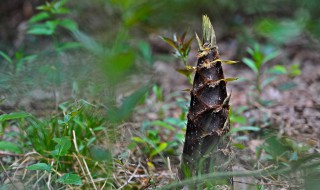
[49,178]
[82,168]
[39,179]
[116,179]
[169,166]
[2,154]
[88,171]
[131,177]
[84,173]
[5,171]
[29,180]
[104,184]
[20,166]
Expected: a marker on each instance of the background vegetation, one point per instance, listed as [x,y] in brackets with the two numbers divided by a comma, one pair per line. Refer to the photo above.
[90,96]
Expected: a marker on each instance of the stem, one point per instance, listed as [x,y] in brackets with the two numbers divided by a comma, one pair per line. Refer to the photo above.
[184,59]
[258,86]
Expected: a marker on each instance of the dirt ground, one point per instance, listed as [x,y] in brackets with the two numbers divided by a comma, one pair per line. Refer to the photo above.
[295,113]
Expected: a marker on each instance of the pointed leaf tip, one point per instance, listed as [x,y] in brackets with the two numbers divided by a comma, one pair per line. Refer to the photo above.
[200,44]
[208,34]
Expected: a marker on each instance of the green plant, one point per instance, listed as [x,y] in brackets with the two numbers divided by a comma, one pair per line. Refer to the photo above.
[48,20]
[159,137]
[182,50]
[259,57]
[281,150]
[162,136]
[19,66]
[5,119]
[63,138]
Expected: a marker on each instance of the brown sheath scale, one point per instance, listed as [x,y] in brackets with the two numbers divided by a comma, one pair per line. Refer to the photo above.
[206,149]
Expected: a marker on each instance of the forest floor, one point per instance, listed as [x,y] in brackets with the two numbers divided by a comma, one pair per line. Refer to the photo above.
[294,113]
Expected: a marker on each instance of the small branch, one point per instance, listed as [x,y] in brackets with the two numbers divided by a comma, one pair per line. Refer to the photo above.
[5,171]
[131,177]
[83,160]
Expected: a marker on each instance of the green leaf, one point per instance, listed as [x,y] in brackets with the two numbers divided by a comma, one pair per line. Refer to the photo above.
[99,128]
[162,124]
[245,128]
[278,69]
[181,39]
[238,119]
[39,17]
[40,29]
[250,63]
[187,71]
[11,147]
[119,65]
[146,52]
[160,148]
[89,43]
[91,140]
[62,147]
[186,47]
[6,57]
[45,7]
[276,146]
[68,45]
[40,166]
[280,31]
[100,154]
[128,105]
[294,70]
[5,117]
[157,90]
[268,81]
[175,121]
[239,146]
[287,86]
[70,179]
[180,137]
[52,24]
[260,187]
[170,42]
[138,139]
[242,138]
[30,58]
[69,25]
[270,56]
[250,51]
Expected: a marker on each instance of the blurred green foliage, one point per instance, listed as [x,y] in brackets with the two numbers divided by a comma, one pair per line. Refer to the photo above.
[64,51]
[259,57]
